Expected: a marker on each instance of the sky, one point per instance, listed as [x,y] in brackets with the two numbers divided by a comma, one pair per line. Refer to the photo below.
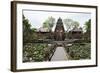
[36,18]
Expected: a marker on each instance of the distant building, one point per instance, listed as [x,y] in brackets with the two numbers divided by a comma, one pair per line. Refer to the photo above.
[44,33]
[41,29]
[59,34]
[75,33]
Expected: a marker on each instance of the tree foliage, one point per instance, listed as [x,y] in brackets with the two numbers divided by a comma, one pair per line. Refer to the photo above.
[70,24]
[49,23]
[27,30]
[87,34]
[88,25]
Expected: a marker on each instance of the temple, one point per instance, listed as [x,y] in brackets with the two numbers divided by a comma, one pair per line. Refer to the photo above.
[59,33]
[75,33]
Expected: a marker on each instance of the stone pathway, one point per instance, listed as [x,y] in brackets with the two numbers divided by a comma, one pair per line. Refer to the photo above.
[60,54]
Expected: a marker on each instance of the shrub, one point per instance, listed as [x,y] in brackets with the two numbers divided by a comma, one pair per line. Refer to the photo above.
[80,51]
[34,52]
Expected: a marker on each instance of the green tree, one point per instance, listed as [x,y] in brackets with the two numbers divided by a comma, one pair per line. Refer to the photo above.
[26,24]
[70,24]
[76,24]
[26,29]
[49,23]
[87,34]
[88,25]
[46,24]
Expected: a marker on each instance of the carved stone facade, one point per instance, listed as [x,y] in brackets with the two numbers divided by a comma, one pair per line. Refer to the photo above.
[59,33]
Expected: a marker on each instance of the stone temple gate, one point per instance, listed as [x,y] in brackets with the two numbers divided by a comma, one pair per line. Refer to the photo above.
[59,33]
